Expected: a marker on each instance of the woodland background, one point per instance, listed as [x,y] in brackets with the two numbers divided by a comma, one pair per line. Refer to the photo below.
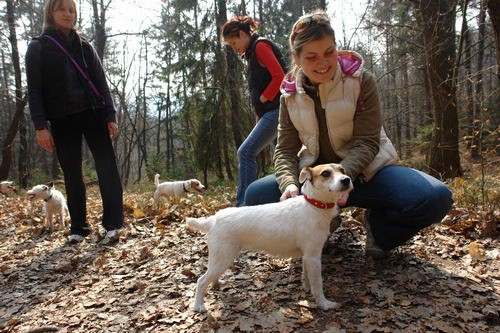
[185,110]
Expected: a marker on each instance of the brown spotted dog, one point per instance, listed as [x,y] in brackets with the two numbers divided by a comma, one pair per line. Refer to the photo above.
[296,227]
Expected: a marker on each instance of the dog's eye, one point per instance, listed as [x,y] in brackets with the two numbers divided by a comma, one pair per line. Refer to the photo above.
[326,174]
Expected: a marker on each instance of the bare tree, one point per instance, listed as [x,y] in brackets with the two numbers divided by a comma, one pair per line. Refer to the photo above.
[444,158]
[494,13]
[310,5]
[478,83]
[20,99]
[99,26]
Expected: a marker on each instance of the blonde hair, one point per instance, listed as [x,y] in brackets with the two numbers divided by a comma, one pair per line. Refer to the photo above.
[308,28]
[50,7]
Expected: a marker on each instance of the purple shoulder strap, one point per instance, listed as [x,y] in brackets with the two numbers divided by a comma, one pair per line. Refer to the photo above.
[80,70]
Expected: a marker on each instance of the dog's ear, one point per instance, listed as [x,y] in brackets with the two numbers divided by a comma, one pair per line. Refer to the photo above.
[51,185]
[305,174]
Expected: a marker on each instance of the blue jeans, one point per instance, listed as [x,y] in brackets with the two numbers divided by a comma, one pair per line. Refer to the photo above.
[401,201]
[264,132]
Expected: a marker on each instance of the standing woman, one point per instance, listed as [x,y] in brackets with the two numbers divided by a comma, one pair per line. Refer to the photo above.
[266,70]
[67,89]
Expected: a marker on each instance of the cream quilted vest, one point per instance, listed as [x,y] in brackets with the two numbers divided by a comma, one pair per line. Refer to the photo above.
[339,99]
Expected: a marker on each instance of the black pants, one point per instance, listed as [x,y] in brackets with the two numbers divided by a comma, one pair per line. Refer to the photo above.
[68,134]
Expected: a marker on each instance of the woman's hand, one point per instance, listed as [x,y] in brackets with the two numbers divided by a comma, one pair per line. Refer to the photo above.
[45,140]
[262,99]
[291,191]
[113,129]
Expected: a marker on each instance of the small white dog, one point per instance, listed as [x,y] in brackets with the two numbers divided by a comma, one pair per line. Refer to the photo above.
[5,186]
[55,203]
[296,227]
[176,190]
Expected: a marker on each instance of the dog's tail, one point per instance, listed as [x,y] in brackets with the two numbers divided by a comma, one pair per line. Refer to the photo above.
[157,179]
[203,224]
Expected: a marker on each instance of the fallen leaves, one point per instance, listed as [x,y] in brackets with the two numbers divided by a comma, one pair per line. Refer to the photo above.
[444,280]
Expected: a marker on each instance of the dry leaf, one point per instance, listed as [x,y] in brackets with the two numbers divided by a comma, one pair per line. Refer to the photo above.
[475,251]
[137,213]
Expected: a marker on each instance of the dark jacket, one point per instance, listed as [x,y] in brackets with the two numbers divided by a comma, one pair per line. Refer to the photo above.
[259,77]
[55,88]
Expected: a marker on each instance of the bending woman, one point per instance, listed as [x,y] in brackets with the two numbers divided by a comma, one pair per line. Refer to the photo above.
[266,70]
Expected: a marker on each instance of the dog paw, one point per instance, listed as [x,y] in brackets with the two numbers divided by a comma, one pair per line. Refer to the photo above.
[327,305]
[200,308]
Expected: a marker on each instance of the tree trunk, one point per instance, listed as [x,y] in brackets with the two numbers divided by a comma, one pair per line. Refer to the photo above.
[476,121]
[311,5]
[20,100]
[159,109]
[145,106]
[408,116]
[468,105]
[444,158]
[235,97]
[261,11]
[100,26]
[169,130]
[22,163]
[226,83]
[225,144]
[494,13]
[5,91]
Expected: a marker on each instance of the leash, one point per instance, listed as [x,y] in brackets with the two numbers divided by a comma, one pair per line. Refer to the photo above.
[80,70]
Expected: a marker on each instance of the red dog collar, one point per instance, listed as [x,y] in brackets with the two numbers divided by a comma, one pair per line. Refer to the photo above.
[319,204]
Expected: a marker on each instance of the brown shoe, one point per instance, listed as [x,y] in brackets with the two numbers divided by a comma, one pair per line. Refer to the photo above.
[372,249]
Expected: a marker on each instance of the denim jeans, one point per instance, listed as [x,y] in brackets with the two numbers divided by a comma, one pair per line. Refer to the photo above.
[264,132]
[68,134]
[401,201]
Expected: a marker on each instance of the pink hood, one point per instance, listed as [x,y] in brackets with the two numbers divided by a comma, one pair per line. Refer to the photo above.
[350,62]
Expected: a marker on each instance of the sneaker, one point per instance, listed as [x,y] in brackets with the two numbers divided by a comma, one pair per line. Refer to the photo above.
[75,238]
[111,237]
[372,249]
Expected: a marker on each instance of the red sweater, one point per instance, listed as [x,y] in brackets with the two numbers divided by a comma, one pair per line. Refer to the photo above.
[266,57]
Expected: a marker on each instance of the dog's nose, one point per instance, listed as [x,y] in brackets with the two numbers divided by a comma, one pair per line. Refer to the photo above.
[345,181]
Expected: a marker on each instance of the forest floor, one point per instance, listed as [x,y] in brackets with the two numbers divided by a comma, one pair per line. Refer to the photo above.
[446,279]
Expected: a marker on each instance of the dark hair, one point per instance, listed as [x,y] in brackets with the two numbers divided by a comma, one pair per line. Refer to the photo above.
[308,28]
[233,27]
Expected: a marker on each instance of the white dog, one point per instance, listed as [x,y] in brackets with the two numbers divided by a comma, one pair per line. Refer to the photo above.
[176,190]
[5,186]
[296,227]
[55,203]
